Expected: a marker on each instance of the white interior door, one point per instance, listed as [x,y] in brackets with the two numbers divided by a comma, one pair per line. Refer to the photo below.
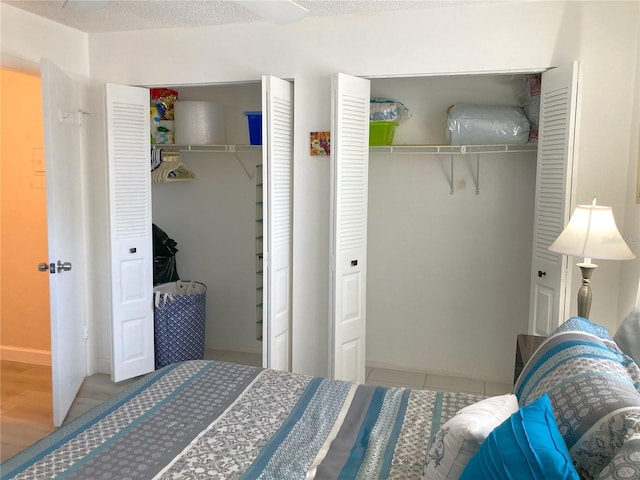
[550,275]
[129,150]
[277,161]
[62,141]
[349,188]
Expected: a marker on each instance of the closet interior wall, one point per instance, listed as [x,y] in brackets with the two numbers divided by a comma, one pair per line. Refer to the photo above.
[447,269]
[213,220]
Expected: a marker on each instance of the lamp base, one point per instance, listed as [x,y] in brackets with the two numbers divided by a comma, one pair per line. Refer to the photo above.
[584,294]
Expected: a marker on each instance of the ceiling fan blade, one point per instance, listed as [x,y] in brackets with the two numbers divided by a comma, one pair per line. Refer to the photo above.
[277,11]
[85,4]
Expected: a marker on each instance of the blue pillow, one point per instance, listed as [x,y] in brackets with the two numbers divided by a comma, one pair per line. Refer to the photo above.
[526,446]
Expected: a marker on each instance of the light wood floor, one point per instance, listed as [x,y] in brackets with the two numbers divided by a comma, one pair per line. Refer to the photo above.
[25,403]
[26,413]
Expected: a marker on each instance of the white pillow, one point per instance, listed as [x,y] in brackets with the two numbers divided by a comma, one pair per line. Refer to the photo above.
[459,438]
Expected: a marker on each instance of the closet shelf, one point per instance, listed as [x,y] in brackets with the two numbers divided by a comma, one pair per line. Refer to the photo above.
[209,148]
[235,149]
[452,150]
[455,149]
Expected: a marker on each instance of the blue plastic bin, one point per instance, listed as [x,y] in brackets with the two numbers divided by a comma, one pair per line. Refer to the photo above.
[255,127]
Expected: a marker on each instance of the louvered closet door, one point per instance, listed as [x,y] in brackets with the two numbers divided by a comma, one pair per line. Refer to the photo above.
[277,158]
[349,188]
[130,230]
[550,274]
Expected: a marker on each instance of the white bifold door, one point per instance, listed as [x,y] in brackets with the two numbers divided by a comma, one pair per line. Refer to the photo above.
[129,160]
[62,145]
[349,188]
[277,171]
[550,272]
[131,226]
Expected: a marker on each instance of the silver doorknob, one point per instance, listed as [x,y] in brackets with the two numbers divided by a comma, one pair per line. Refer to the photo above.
[63,267]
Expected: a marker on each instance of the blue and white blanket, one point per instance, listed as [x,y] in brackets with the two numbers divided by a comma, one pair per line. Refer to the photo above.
[216,420]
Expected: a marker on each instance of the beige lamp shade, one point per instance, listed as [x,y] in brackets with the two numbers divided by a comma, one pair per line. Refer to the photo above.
[592,233]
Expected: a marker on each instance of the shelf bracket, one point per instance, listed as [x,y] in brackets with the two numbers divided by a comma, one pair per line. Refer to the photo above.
[232,149]
[476,177]
[451,191]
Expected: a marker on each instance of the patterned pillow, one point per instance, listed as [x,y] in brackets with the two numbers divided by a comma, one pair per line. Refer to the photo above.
[594,391]
[583,325]
[461,436]
[626,463]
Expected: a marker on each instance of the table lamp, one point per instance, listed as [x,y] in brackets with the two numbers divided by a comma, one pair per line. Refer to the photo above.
[591,233]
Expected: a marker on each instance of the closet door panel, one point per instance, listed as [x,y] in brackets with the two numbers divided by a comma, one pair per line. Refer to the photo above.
[349,196]
[128,140]
[277,170]
[550,273]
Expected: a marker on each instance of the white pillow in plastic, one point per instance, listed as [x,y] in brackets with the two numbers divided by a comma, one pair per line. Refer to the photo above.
[469,124]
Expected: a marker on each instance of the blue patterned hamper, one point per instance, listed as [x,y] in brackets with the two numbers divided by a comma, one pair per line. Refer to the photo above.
[179,317]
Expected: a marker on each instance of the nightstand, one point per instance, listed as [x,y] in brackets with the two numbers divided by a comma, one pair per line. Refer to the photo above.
[526,345]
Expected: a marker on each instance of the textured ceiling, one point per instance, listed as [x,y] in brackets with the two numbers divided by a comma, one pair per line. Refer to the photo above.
[122,15]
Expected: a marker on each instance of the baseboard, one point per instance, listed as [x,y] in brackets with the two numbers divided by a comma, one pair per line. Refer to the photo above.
[104,365]
[236,348]
[25,355]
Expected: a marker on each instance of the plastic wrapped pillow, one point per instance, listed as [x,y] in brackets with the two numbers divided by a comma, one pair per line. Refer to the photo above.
[385,110]
[469,124]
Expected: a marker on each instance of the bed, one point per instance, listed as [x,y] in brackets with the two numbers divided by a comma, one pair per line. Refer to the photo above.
[574,414]
[217,420]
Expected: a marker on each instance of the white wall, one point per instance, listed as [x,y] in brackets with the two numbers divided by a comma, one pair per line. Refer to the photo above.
[609,79]
[27,38]
[448,275]
[445,270]
[212,218]
[533,35]
[453,39]
[630,271]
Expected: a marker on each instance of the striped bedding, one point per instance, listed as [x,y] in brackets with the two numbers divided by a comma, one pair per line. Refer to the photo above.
[216,420]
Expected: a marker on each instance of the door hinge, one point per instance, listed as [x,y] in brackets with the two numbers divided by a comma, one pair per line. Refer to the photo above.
[86,332]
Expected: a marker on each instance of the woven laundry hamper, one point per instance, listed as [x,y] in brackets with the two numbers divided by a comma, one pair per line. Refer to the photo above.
[179,318]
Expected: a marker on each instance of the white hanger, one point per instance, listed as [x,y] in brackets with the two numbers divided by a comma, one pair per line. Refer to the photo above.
[171,169]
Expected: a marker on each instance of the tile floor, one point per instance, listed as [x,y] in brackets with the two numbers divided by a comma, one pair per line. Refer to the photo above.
[233,357]
[386,377]
[397,378]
